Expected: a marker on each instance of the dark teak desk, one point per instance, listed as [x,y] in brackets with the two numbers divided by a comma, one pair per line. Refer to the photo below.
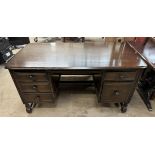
[37,68]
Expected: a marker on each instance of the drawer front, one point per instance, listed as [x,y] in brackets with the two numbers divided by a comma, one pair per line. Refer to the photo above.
[120,76]
[30,77]
[39,98]
[76,72]
[35,87]
[116,92]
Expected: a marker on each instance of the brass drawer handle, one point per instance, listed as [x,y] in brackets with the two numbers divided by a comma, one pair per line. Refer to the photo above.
[116,92]
[34,87]
[31,76]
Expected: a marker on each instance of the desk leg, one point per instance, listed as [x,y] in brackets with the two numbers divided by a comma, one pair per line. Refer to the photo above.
[29,107]
[124,107]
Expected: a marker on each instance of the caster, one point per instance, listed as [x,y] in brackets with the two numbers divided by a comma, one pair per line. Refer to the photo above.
[123,109]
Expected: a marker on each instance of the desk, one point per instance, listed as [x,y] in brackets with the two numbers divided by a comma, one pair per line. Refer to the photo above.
[37,68]
[146,84]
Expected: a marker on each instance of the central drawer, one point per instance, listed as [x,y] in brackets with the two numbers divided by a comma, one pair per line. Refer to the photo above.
[116,91]
[35,87]
[120,76]
[76,72]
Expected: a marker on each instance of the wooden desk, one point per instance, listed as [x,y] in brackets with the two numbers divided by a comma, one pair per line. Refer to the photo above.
[37,68]
[146,84]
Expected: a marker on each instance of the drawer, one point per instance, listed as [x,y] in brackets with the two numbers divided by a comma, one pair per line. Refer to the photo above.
[38,97]
[30,77]
[120,76]
[76,72]
[116,92]
[35,87]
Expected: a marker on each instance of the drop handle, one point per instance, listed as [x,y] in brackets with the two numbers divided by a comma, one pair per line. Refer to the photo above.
[34,87]
[116,92]
[31,76]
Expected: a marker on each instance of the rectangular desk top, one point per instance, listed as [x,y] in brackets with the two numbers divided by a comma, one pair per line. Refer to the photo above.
[76,56]
[146,52]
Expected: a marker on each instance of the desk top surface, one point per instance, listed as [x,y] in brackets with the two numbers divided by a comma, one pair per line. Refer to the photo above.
[146,52]
[76,56]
